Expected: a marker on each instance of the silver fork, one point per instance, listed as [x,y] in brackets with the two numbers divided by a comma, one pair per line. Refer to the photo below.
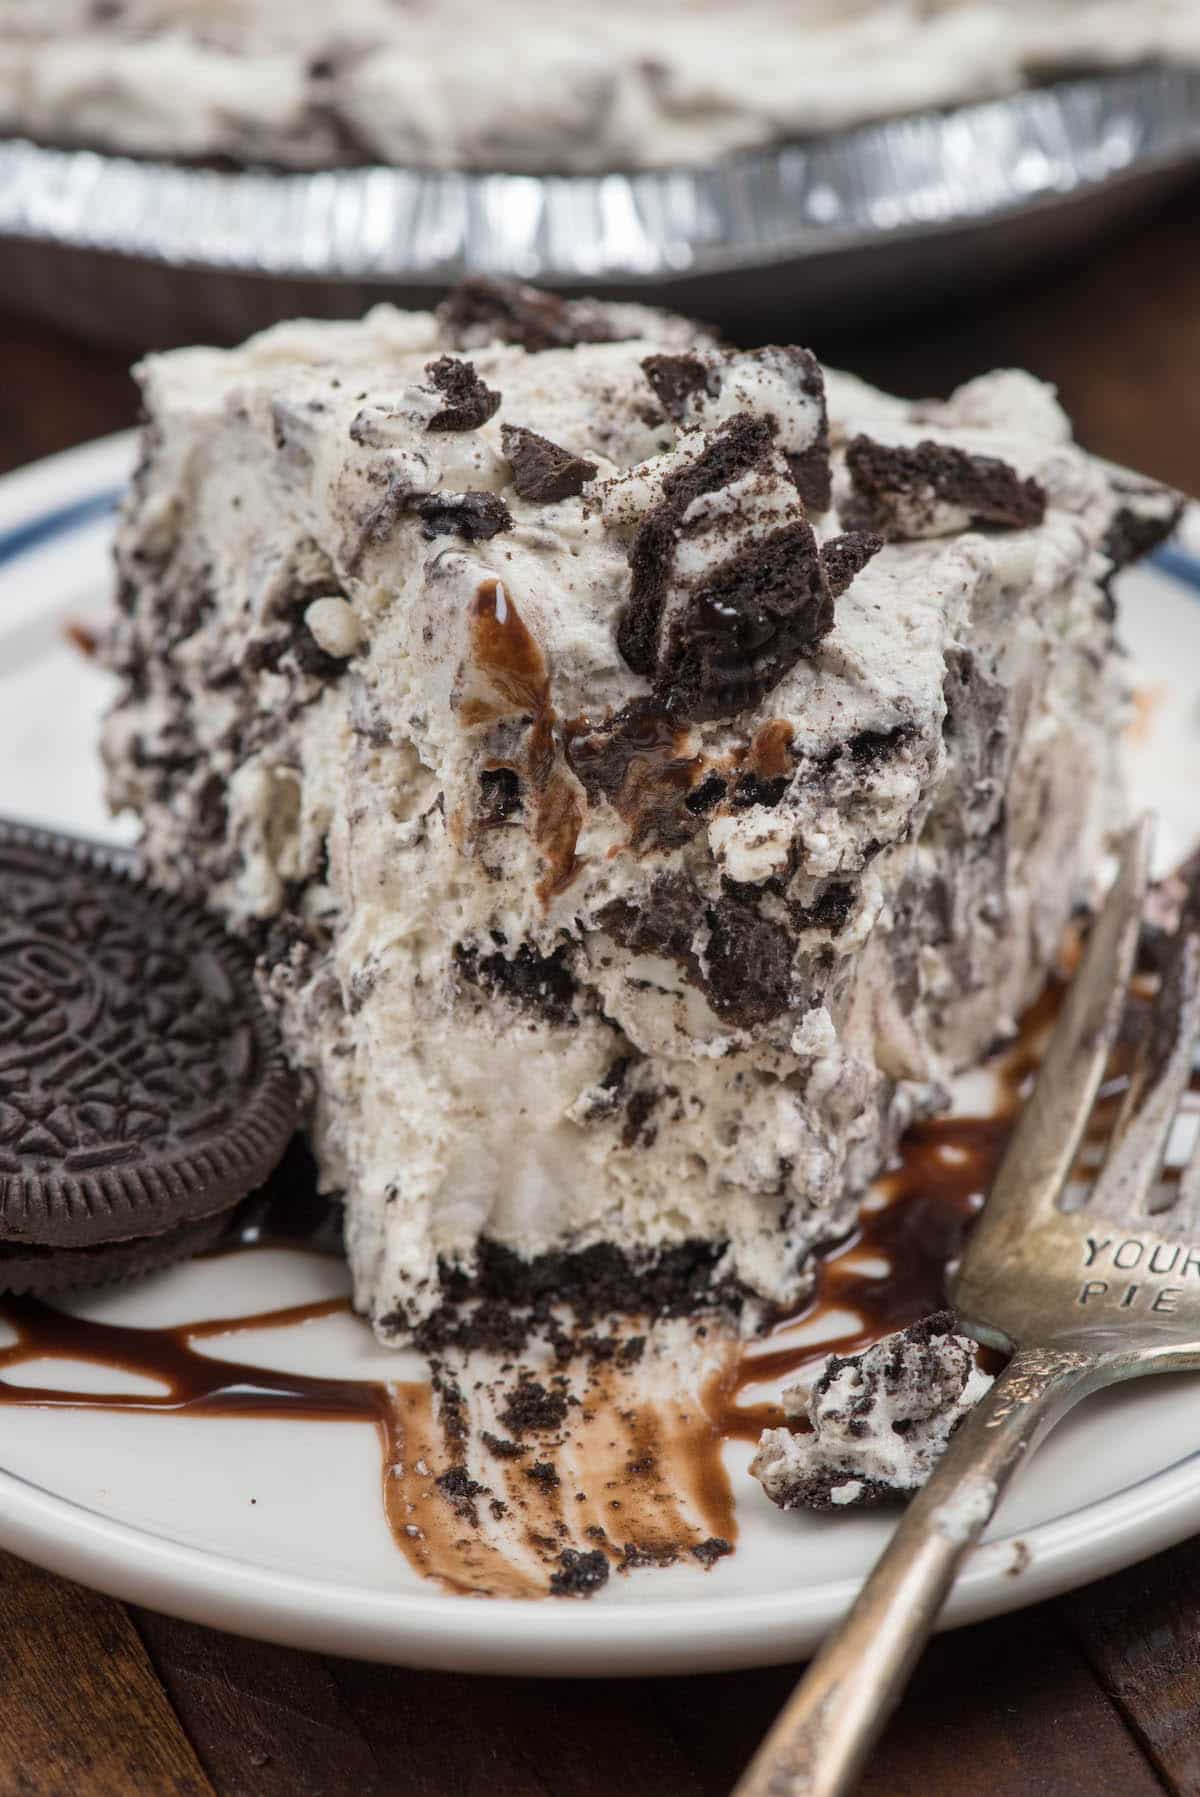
[1084,1294]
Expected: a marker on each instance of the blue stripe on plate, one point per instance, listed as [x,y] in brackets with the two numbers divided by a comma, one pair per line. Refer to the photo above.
[1180,563]
[45,526]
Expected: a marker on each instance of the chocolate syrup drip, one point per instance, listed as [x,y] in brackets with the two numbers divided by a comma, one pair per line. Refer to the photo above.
[195,1382]
[654,1473]
[944,1170]
[512,680]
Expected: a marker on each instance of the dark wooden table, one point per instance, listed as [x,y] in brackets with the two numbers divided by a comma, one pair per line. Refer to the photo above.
[1094,1695]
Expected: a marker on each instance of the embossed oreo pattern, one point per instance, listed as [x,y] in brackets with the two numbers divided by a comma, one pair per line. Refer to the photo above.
[141,1082]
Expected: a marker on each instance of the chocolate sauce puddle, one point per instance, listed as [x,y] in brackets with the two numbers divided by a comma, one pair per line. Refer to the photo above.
[621,1477]
[636,1469]
[944,1171]
[198,1383]
[914,1220]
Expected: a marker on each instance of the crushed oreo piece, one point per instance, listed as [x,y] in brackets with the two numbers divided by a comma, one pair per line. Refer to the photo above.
[638,1131]
[500,789]
[843,558]
[490,1325]
[1132,534]
[811,467]
[500,1447]
[730,454]
[868,748]
[461,1490]
[695,391]
[754,619]
[540,983]
[752,789]
[607,1095]
[312,659]
[506,1300]
[813,474]
[738,632]
[831,911]
[579,1574]
[710,1551]
[749,964]
[543,472]
[475,516]
[603,1350]
[708,794]
[665,925]
[675,380]
[544,1475]
[469,403]
[746,974]
[532,1407]
[482,309]
[890,480]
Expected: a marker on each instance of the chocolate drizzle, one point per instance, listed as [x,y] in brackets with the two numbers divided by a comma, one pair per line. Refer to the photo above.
[650,768]
[507,677]
[609,1463]
[650,1467]
[607,1454]
[639,761]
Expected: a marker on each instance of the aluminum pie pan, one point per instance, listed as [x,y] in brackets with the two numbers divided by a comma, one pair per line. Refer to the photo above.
[145,252]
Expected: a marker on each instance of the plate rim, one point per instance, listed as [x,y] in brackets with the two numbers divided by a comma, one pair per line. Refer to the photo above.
[72,491]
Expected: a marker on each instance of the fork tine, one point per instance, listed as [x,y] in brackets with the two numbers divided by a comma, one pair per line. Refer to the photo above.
[1183,1218]
[1051,1127]
[1158,1079]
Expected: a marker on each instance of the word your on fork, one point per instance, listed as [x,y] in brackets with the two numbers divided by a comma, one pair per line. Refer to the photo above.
[1153,1261]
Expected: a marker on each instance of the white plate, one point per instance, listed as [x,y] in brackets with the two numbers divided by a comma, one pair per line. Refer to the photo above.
[276,1528]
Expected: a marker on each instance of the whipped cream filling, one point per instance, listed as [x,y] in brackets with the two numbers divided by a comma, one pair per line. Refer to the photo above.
[628,866]
[626,87]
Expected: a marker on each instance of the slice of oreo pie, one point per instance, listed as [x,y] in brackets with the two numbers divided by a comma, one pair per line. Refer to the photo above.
[143,1089]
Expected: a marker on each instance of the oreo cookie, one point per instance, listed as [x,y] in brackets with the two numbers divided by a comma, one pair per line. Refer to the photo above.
[143,1089]
[474,515]
[482,310]
[844,558]
[898,490]
[678,381]
[780,383]
[543,472]
[469,401]
[715,642]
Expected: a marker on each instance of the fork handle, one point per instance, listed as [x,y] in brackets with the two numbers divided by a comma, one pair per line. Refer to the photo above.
[830,1723]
